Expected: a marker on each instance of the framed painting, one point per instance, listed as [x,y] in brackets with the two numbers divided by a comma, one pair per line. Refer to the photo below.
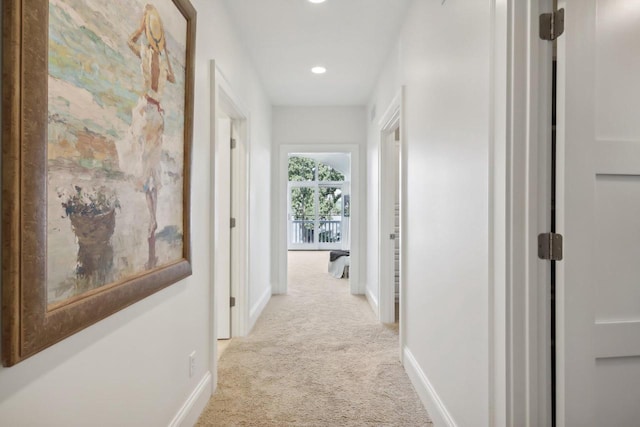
[97,117]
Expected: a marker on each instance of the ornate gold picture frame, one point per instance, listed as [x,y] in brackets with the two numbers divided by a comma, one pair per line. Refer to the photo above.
[97,118]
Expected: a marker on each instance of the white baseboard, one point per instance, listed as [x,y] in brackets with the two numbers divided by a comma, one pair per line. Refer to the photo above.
[256,310]
[430,399]
[189,413]
[373,302]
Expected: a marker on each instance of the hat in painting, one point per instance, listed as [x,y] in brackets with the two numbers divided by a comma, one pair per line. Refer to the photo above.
[153,28]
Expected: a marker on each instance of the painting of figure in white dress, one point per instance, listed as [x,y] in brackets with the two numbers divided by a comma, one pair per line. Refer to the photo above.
[116,141]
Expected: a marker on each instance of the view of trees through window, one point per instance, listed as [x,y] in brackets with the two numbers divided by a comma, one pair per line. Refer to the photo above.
[302,169]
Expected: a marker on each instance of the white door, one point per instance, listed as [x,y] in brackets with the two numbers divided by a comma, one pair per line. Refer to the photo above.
[235,276]
[598,281]
[389,226]
[222,244]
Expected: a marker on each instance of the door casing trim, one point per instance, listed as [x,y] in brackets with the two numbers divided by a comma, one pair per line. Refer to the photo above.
[520,206]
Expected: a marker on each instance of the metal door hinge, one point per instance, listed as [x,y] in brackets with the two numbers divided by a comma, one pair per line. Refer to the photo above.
[552,25]
[234,143]
[233,223]
[232,302]
[550,246]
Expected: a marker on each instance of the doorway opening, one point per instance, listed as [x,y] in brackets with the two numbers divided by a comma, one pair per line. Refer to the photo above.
[229,222]
[390,211]
[318,214]
[319,208]
[226,271]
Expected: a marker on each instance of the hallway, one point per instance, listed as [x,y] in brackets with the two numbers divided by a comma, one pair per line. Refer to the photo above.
[317,357]
[295,76]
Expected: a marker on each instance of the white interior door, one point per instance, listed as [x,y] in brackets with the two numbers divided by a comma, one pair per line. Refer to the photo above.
[389,209]
[598,281]
[235,233]
[396,220]
[222,261]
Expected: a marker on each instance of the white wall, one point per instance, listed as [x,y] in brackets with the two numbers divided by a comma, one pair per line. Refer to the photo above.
[259,199]
[317,125]
[131,369]
[446,233]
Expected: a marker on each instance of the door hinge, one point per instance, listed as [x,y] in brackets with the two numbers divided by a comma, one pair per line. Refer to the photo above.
[232,302]
[234,143]
[552,25]
[550,246]
[233,223]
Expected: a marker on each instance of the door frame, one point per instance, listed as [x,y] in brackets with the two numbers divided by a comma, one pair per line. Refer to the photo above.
[223,98]
[390,120]
[520,378]
[357,251]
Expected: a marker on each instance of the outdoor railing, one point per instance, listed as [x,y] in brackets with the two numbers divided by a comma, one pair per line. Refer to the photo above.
[302,231]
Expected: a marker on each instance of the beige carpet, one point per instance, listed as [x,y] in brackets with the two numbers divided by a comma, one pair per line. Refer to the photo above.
[316,357]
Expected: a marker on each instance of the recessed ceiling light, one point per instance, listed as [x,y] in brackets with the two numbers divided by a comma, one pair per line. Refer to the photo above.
[317,1]
[318,70]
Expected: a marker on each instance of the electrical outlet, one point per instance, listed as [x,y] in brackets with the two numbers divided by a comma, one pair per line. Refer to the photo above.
[192,363]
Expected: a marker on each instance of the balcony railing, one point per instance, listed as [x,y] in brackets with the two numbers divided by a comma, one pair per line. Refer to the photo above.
[302,231]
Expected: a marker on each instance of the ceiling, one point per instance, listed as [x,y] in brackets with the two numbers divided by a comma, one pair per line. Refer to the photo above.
[286,38]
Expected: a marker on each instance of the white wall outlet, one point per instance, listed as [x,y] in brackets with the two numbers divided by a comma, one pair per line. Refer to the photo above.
[192,363]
